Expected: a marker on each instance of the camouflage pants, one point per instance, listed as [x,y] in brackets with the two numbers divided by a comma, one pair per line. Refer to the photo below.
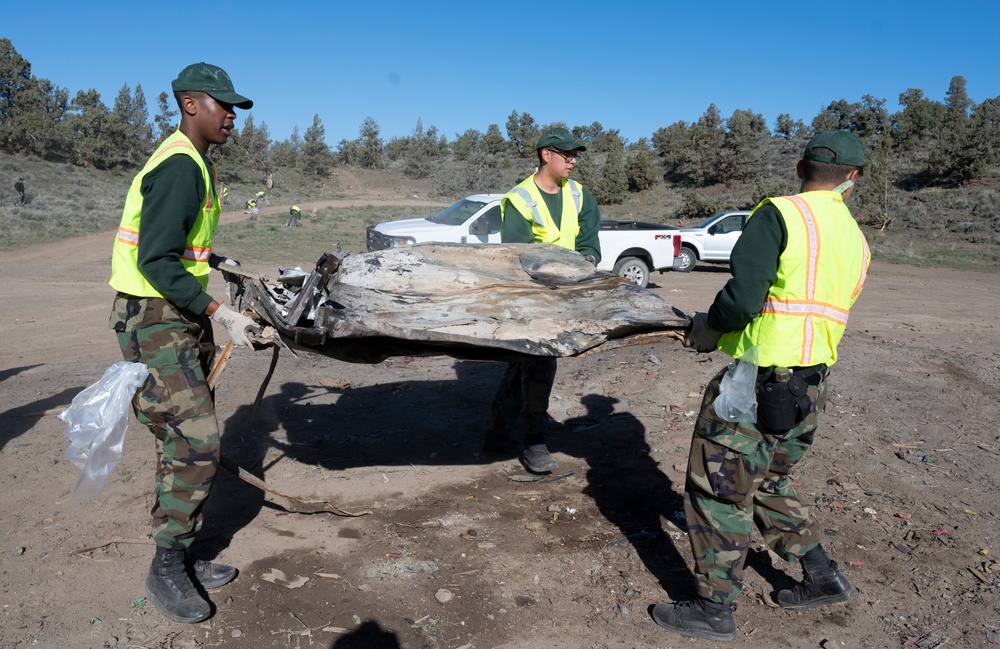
[176,405]
[524,391]
[737,477]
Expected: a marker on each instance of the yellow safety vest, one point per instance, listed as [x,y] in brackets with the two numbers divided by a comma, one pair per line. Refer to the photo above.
[527,199]
[125,274]
[820,275]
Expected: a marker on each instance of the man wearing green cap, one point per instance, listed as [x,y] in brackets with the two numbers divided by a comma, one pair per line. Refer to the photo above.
[546,207]
[162,316]
[797,269]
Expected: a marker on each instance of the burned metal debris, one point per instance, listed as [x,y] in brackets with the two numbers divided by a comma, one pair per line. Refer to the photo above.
[481,302]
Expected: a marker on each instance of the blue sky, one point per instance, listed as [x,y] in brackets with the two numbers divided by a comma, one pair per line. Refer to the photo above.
[634,66]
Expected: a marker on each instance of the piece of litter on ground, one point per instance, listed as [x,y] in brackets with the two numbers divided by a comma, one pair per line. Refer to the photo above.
[334,629]
[443,595]
[278,577]
[327,575]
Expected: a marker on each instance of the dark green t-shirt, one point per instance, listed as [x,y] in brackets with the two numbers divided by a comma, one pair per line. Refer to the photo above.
[518,230]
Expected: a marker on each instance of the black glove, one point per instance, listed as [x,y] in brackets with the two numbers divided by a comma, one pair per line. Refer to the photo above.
[215,261]
[700,336]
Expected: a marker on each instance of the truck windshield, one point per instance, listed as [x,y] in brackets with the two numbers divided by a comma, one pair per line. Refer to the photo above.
[458,213]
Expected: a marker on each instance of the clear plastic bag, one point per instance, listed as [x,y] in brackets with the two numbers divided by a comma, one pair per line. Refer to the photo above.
[98,419]
[737,400]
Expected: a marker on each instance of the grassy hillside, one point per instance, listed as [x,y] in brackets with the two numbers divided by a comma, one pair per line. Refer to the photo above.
[942,227]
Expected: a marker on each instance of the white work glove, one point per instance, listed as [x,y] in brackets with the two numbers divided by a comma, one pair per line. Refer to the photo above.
[700,336]
[236,324]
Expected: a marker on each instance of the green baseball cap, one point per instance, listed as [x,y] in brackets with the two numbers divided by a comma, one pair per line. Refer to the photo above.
[210,79]
[846,146]
[559,138]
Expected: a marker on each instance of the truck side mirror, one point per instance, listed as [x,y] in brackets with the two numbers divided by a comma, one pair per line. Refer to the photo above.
[480,226]
[713,228]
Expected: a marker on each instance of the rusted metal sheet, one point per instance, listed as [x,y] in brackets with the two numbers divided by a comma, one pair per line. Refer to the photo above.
[490,302]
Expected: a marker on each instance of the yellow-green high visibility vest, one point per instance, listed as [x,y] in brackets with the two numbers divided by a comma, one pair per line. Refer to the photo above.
[820,274]
[125,274]
[527,199]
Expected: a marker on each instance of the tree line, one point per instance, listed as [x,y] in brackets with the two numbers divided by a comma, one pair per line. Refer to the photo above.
[954,142]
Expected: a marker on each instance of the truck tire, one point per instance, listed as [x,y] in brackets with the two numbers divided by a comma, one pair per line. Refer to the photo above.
[633,269]
[685,260]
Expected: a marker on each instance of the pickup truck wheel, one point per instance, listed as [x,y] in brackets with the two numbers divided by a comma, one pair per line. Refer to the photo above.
[685,261]
[633,269]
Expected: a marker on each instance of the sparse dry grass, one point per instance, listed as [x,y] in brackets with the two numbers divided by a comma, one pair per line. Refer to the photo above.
[938,227]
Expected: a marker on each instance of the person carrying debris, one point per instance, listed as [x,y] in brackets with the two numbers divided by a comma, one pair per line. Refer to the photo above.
[19,188]
[294,213]
[797,269]
[251,206]
[162,316]
[546,207]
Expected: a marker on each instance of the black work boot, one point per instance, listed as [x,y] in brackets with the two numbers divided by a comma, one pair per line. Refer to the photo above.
[536,457]
[170,590]
[212,575]
[822,584]
[700,618]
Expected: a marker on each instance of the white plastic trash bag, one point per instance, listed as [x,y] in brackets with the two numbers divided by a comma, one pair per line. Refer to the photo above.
[737,400]
[98,419]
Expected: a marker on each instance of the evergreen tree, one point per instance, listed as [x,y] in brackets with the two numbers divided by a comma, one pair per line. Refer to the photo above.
[671,145]
[788,128]
[89,124]
[703,165]
[466,143]
[522,133]
[873,126]
[744,146]
[15,73]
[286,153]
[423,148]
[128,126]
[641,171]
[613,188]
[163,121]
[370,153]
[953,160]
[835,117]
[588,134]
[918,122]
[493,143]
[316,157]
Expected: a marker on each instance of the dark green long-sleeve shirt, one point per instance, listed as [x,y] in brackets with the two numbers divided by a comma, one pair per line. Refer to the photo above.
[172,195]
[754,264]
[518,230]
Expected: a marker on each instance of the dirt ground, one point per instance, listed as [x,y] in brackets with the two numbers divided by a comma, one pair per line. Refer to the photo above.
[903,476]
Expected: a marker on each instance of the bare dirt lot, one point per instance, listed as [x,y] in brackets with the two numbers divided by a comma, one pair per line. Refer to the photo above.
[903,476]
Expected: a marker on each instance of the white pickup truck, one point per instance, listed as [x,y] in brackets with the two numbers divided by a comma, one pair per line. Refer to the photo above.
[630,249]
[712,240]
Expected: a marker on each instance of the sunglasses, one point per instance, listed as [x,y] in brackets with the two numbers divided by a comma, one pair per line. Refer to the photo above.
[566,155]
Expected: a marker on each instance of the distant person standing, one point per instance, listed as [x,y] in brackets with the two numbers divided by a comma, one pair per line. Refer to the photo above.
[546,207]
[162,316]
[225,193]
[293,217]
[19,188]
